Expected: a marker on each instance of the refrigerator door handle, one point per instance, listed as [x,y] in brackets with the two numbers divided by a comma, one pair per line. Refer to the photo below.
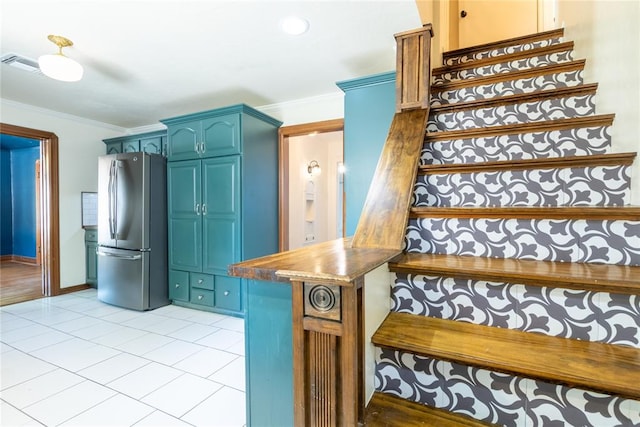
[127,257]
[111,189]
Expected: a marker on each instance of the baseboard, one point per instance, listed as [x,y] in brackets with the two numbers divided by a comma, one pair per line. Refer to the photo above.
[75,288]
[19,259]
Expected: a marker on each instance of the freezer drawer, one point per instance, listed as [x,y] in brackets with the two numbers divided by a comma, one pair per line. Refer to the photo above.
[124,278]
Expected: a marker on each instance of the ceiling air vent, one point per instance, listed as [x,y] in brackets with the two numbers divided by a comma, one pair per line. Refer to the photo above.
[20,62]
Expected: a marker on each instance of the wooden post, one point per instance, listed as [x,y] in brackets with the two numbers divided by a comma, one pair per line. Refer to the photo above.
[413,68]
[327,340]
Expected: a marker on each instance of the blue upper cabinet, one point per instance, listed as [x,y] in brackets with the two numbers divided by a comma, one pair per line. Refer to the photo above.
[150,142]
[204,137]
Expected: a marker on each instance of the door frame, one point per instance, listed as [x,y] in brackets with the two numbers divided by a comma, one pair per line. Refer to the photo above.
[284,133]
[49,199]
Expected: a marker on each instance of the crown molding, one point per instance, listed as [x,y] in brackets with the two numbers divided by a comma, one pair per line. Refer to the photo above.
[60,115]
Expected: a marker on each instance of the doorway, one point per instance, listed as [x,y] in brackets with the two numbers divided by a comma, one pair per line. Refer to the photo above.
[49,205]
[474,22]
[307,214]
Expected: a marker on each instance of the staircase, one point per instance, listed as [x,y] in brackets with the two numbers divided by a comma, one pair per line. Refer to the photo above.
[517,299]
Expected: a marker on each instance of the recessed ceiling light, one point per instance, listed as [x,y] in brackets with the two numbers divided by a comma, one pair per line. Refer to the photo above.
[294,25]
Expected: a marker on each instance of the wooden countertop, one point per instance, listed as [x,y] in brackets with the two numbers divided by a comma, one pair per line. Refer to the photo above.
[333,262]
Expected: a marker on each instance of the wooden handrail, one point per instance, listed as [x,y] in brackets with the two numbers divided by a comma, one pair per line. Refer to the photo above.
[327,279]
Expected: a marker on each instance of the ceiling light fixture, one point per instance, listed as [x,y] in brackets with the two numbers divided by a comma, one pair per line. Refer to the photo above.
[59,67]
[294,25]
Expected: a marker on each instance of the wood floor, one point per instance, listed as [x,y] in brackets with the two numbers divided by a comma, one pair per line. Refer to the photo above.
[19,282]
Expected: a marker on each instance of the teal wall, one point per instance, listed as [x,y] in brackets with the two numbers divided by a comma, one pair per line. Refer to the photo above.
[18,215]
[368,111]
[269,354]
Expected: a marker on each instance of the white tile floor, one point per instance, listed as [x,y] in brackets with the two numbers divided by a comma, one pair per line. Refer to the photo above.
[72,360]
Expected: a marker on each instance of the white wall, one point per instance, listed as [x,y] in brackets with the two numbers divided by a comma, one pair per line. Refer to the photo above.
[80,144]
[606,34]
[326,149]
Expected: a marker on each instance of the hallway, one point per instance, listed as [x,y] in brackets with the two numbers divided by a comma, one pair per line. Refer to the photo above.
[19,282]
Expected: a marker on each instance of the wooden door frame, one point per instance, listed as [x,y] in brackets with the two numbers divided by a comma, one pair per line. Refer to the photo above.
[49,196]
[38,182]
[284,133]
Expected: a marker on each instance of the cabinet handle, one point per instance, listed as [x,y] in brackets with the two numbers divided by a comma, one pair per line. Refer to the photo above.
[200,297]
[177,285]
[226,293]
[197,209]
[204,209]
[203,148]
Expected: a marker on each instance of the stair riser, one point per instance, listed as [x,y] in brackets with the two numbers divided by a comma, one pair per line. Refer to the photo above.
[534,111]
[536,145]
[609,242]
[454,60]
[509,87]
[587,186]
[496,397]
[504,67]
[584,315]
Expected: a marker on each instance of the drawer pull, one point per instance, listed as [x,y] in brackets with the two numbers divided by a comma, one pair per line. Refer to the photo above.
[226,293]
[200,281]
[200,297]
[177,285]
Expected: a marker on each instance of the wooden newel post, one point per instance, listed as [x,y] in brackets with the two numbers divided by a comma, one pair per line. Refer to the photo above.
[413,68]
[327,357]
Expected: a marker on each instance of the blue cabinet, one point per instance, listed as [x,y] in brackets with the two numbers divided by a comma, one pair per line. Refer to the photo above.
[222,177]
[91,258]
[150,142]
[205,137]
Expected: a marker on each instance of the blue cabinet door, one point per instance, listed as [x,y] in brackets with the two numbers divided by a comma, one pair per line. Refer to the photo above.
[221,214]
[131,146]
[184,141]
[152,145]
[114,147]
[185,215]
[221,136]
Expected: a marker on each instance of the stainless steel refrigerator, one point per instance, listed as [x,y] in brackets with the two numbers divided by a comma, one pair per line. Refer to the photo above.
[132,230]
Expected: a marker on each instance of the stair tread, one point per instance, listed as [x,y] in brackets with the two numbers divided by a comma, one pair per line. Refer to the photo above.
[542,163]
[620,279]
[630,213]
[548,125]
[385,410]
[557,33]
[596,366]
[560,47]
[562,92]
[511,75]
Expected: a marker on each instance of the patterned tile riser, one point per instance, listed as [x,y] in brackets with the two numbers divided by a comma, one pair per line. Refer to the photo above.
[501,51]
[558,143]
[590,241]
[499,398]
[535,111]
[505,67]
[588,186]
[584,315]
[509,87]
